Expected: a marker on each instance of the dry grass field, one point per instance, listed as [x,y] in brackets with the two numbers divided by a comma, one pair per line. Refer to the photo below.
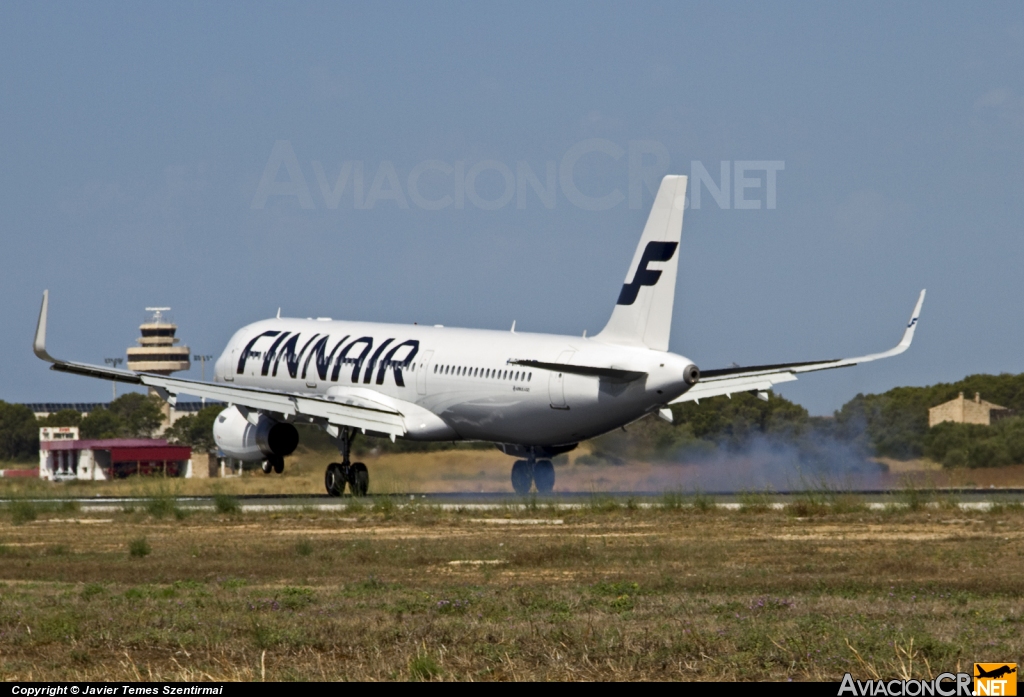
[385,592]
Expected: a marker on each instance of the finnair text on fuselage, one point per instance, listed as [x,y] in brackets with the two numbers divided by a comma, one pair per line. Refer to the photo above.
[464,376]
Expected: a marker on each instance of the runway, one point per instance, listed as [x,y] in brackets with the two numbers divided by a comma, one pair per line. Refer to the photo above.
[965,499]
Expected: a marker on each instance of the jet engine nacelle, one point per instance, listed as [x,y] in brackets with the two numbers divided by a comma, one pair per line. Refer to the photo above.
[240,439]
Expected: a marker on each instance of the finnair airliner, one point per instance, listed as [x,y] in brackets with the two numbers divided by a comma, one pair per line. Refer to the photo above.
[532,395]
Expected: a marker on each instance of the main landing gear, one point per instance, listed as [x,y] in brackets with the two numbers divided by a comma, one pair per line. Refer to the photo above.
[540,473]
[339,474]
[273,463]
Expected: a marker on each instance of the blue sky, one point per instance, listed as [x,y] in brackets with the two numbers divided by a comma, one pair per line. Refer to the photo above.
[134,137]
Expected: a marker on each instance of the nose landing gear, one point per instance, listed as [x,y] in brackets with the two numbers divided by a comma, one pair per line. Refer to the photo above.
[339,474]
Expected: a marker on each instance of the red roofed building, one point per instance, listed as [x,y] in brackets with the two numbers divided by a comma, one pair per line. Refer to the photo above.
[70,458]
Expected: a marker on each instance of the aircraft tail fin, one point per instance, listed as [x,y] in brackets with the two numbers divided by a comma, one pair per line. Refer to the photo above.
[643,313]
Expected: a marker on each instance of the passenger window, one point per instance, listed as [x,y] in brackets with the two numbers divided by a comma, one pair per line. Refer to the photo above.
[529,377]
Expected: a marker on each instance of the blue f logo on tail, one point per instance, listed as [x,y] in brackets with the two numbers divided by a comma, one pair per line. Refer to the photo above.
[655,251]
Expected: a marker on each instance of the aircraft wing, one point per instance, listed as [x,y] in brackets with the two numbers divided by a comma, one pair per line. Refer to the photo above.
[760,378]
[342,410]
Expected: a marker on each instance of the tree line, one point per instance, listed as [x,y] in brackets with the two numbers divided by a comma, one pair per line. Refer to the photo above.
[132,415]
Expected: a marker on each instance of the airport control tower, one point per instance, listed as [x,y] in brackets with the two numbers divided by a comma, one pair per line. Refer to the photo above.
[156,352]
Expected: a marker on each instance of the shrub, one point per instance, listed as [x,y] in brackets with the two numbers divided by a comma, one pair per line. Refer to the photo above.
[383,504]
[91,590]
[225,503]
[23,511]
[423,668]
[672,500]
[139,547]
[755,502]
[703,503]
[296,598]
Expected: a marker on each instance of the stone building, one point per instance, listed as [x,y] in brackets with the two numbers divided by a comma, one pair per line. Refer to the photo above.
[965,411]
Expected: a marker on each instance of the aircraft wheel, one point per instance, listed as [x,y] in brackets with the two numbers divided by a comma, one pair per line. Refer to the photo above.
[522,477]
[334,480]
[266,467]
[358,479]
[278,464]
[544,476]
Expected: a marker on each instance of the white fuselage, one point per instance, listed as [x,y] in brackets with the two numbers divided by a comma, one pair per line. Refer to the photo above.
[460,380]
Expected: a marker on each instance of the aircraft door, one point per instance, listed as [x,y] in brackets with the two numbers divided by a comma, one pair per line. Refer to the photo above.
[556,383]
[421,372]
[229,370]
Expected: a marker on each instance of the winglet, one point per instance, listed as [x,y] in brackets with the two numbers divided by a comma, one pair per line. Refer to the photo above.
[39,345]
[908,335]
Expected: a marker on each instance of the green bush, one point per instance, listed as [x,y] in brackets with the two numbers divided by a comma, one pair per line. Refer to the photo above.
[161,505]
[296,598]
[225,503]
[23,511]
[424,668]
[139,547]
